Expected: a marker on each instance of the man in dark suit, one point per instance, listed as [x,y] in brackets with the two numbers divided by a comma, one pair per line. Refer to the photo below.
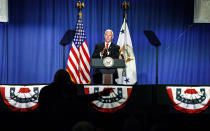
[105,49]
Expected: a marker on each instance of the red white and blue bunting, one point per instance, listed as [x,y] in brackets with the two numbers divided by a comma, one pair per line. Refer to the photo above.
[189,99]
[186,99]
[21,98]
[24,98]
[112,103]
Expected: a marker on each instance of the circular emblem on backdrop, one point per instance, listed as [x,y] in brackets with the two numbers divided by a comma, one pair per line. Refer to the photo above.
[108,62]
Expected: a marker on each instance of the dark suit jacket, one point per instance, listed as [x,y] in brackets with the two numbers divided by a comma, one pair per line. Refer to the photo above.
[114,51]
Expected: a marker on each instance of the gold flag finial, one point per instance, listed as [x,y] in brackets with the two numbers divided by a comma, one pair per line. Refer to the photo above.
[80,5]
[125,6]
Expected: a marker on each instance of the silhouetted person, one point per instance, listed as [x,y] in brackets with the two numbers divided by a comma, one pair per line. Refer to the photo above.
[59,104]
[131,123]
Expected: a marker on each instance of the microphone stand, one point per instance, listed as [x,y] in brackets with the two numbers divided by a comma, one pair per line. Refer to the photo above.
[66,39]
[64,56]
[156,77]
[155,42]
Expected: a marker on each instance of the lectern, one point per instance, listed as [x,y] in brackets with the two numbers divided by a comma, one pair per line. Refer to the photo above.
[107,66]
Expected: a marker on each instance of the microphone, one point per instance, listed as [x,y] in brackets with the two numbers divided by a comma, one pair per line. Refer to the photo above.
[122,56]
[107,51]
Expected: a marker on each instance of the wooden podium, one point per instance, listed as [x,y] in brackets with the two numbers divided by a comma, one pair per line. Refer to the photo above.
[107,66]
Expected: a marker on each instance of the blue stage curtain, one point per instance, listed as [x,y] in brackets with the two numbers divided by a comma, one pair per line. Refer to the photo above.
[3,53]
[31,53]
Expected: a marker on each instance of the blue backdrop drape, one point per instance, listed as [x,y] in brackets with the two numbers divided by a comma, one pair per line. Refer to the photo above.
[30,51]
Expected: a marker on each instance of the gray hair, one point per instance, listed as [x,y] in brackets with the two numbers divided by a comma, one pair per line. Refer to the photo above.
[110,31]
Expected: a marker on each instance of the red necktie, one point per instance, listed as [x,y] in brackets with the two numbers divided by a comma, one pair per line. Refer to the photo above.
[107,45]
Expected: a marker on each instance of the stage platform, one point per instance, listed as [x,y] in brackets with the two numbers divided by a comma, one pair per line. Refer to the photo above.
[149,105]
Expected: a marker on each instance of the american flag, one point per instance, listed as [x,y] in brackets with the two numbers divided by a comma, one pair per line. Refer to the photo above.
[78,64]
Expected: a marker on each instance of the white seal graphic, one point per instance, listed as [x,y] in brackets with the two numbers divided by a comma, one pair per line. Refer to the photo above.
[108,62]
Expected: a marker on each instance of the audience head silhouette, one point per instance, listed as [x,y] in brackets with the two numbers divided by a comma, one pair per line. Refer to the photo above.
[62,76]
[83,126]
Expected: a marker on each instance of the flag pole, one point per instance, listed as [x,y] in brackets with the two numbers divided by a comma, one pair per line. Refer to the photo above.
[80,5]
[64,57]
[125,5]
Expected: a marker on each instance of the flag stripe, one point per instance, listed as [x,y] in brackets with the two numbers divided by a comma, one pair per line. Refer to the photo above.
[71,74]
[83,75]
[75,55]
[84,48]
[85,69]
[84,61]
[75,68]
